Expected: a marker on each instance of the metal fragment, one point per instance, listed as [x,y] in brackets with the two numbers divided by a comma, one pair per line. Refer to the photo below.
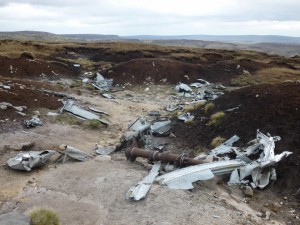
[161,128]
[74,153]
[72,108]
[28,160]
[140,190]
[183,178]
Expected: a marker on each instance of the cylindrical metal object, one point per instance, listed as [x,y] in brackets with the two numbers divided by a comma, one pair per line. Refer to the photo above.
[178,160]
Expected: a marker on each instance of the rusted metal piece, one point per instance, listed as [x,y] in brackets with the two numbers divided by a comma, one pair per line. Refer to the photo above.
[165,157]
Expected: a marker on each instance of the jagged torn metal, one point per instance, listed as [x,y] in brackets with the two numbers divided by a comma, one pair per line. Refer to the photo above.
[77,111]
[74,154]
[140,190]
[28,160]
[261,170]
[183,178]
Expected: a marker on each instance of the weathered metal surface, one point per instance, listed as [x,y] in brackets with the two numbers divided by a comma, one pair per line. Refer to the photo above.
[186,117]
[33,122]
[161,127]
[183,87]
[28,160]
[74,154]
[140,190]
[262,169]
[183,178]
[98,111]
[104,150]
[74,109]
[139,125]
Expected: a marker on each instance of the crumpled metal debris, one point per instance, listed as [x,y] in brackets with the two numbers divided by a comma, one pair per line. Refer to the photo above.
[33,122]
[28,160]
[139,125]
[103,150]
[186,117]
[161,128]
[183,88]
[260,170]
[172,107]
[140,190]
[183,178]
[71,152]
[154,113]
[102,84]
[74,109]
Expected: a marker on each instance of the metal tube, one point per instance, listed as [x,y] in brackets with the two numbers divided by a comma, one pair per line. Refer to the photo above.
[178,160]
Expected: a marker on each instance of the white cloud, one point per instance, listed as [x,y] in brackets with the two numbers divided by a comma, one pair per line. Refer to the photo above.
[126,17]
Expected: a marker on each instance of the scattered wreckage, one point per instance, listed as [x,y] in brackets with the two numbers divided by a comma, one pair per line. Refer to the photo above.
[205,90]
[181,171]
[33,159]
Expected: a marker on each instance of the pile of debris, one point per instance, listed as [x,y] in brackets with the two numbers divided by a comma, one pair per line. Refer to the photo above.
[204,90]
[34,159]
[252,166]
[19,109]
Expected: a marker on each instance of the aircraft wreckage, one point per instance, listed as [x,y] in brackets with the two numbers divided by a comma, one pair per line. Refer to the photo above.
[225,159]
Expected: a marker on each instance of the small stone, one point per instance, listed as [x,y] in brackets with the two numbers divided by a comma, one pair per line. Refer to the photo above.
[6,104]
[3,107]
[172,135]
[268,215]
[36,113]
[285,198]
[275,207]
[248,191]
[20,108]
[259,214]
[103,158]
[62,147]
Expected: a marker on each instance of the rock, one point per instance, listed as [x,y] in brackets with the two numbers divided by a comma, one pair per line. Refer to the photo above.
[18,146]
[20,108]
[259,214]
[3,107]
[268,215]
[36,113]
[103,158]
[62,147]
[248,192]
[275,207]
[14,218]
[6,104]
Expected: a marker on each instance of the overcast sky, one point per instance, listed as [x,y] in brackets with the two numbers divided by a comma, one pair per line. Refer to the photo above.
[156,17]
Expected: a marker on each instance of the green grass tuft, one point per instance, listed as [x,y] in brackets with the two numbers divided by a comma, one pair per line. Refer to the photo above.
[217,141]
[215,118]
[209,106]
[94,124]
[43,216]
